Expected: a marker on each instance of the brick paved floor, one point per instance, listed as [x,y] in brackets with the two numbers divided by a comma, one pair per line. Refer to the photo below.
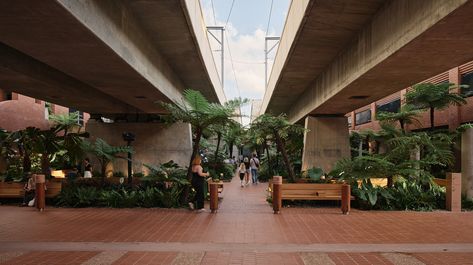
[244,231]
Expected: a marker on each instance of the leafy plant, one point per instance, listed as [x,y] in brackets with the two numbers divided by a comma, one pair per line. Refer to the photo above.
[105,153]
[434,97]
[277,128]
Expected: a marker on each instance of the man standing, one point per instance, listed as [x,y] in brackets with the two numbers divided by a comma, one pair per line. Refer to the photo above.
[254,164]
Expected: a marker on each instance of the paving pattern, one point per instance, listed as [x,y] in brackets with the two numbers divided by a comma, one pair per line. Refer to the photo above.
[244,231]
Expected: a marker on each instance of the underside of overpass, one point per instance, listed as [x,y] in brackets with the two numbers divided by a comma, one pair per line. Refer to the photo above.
[336,56]
[107,57]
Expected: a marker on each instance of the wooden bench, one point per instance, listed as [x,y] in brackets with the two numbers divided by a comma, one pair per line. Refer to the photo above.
[15,189]
[312,191]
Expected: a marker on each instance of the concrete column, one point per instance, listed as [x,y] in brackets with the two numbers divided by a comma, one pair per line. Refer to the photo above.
[454,118]
[325,142]
[467,162]
[373,114]
[453,196]
[352,114]
[154,143]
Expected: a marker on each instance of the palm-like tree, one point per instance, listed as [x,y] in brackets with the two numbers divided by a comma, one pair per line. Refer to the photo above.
[232,136]
[105,153]
[200,114]
[278,128]
[434,96]
[407,115]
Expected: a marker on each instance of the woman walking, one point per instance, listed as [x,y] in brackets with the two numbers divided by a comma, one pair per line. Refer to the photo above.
[246,161]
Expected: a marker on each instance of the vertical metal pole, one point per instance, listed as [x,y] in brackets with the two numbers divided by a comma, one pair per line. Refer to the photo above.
[265,63]
[223,55]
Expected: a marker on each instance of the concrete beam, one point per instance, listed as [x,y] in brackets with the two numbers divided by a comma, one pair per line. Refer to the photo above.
[116,26]
[405,42]
[19,72]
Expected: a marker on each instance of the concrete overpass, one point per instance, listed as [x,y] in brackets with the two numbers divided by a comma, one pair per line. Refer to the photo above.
[106,56]
[338,55]
[111,58]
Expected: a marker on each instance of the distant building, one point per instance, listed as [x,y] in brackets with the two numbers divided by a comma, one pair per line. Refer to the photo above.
[18,112]
[450,118]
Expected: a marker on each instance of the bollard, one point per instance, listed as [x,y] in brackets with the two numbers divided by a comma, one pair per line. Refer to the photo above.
[213,197]
[40,196]
[346,198]
[277,194]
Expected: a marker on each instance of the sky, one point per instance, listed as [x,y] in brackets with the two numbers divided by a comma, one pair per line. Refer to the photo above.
[244,43]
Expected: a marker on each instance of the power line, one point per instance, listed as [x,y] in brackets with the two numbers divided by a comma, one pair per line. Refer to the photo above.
[213,12]
[229,13]
[269,18]
[233,67]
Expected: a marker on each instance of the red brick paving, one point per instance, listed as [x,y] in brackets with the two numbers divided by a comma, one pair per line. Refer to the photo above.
[243,217]
[52,258]
[445,258]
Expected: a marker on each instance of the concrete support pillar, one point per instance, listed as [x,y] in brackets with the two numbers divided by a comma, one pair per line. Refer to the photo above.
[453,196]
[40,193]
[353,124]
[467,162]
[154,143]
[325,142]
[277,194]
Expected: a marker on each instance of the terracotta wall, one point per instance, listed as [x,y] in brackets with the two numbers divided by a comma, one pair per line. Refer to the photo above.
[450,117]
[23,111]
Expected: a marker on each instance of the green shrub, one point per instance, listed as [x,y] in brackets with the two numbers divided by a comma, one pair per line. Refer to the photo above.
[74,196]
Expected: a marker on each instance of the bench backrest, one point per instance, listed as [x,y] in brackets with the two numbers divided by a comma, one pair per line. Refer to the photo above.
[311,190]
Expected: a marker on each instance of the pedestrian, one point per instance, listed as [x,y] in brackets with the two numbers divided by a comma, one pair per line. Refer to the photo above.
[242,171]
[87,168]
[246,161]
[30,191]
[198,182]
[254,164]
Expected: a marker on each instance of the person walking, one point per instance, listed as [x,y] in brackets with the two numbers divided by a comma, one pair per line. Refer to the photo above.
[198,182]
[242,172]
[254,164]
[246,161]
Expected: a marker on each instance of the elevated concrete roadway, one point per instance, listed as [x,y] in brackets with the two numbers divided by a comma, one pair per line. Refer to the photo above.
[336,56]
[107,56]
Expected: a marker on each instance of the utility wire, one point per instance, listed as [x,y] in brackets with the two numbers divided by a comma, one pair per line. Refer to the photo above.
[229,13]
[269,18]
[213,12]
[233,67]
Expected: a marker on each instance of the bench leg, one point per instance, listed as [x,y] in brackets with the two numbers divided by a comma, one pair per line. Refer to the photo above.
[346,198]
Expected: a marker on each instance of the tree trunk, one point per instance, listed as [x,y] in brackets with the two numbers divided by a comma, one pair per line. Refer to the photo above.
[401,122]
[432,123]
[219,138]
[360,148]
[45,164]
[26,162]
[195,150]
[282,149]
[269,158]
[230,151]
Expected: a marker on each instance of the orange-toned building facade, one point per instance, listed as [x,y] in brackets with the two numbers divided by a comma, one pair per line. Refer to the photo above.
[19,111]
[365,118]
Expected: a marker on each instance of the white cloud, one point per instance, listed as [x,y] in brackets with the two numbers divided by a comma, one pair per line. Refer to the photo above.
[247,52]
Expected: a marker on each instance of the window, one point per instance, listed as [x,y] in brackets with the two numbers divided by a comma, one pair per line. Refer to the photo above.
[392,106]
[363,117]
[80,116]
[349,121]
[8,96]
[467,79]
